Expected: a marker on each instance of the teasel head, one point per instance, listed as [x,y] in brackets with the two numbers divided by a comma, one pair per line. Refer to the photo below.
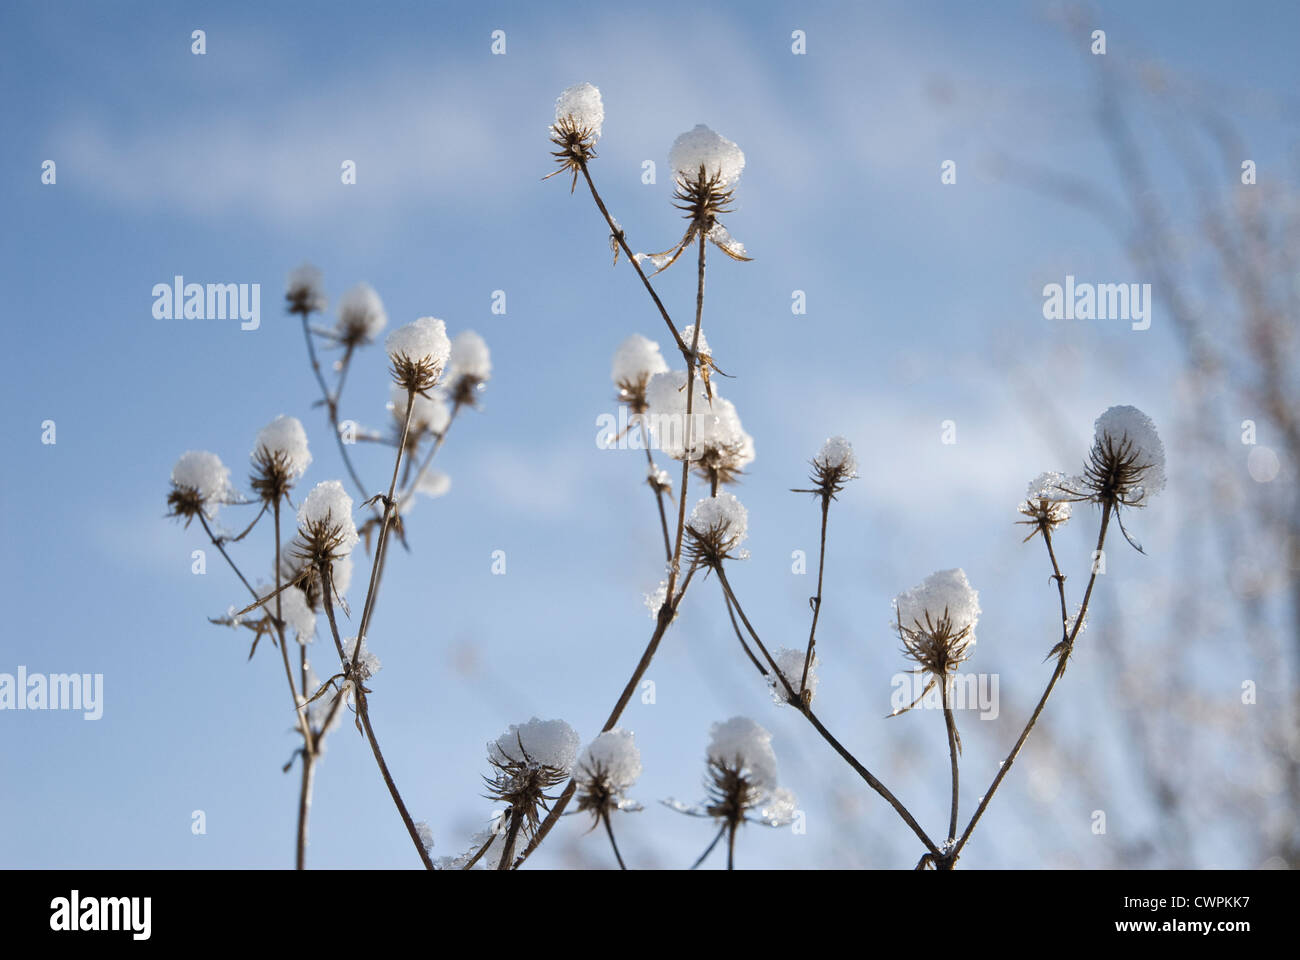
[1047,503]
[834,466]
[527,761]
[304,293]
[468,368]
[717,527]
[607,769]
[706,167]
[361,317]
[1126,465]
[326,530]
[579,116]
[418,353]
[280,457]
[200,483]
[936,622]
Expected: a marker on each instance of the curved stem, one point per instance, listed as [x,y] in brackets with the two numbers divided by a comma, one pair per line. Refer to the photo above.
[951,724]
[609,829]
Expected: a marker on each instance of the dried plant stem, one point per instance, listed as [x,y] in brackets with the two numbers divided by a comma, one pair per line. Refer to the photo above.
[512,835]
[609,829]
[731,846]
[308,752]
[216,542]
[1063,658]
[951,724]
[617,233]
[659,494]
[331,400]
[363,712]
[826,735]
[817,600]
[390,506]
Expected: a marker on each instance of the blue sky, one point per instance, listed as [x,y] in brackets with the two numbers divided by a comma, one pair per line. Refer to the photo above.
[924,304]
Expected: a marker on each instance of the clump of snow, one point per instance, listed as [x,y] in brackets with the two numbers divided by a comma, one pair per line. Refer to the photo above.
[637,359]
[1129,423]
[305,288]
[1056,490]
[284,438]
[329,505]
[429,412]
[548,743]
[723,238]
[713,427]
[361,314]
[581,106]
[837,454]
[424,341]
[742,743]
[946,590]
[367,664]
[206,475]
[790,662]
[613,755]
[723,513]
[702,147]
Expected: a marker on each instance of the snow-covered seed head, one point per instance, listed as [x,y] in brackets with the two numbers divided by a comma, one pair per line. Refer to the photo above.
[936,621]
[579,116]
[527,760]
[419,352]
[280,456]
[305,290]
[741,769]
[791,664]
[580,108]
[834,465]
[469,367]
[361,316]
[636,360]
[200,483]
[326,531]
[1047,501]
[717,527]
[702,155]
[606,771]
[1126,465]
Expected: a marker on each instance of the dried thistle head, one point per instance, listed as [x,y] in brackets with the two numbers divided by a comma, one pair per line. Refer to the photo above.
[936,621]
[607,769]
[527,760]
[468,369]
[834,465]
[361,317]
[1047,502]
[279,458]
[706,167]
[579,116]
[418,353]
[326,530]
[304,293]
[1126,465]
[717,527]
[200,483]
